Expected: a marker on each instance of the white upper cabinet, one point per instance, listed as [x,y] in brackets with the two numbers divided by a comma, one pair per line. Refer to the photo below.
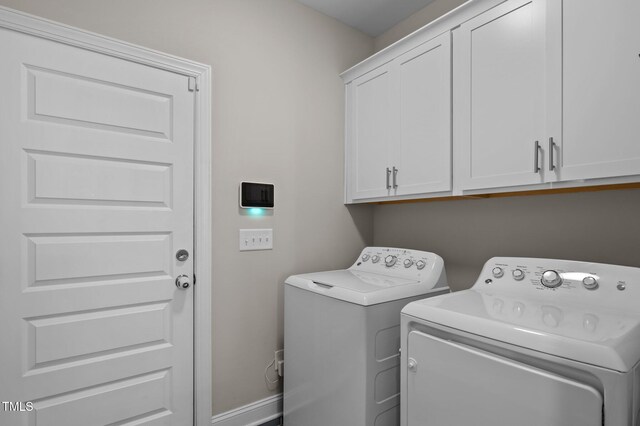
[499,96]
[600,89]
[370,132]
[399,125]
[423,147]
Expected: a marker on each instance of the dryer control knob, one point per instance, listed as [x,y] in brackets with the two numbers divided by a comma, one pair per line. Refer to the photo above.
[497,272]
[365,257]
[590,283]
[375,258]
[551,279]
[390,260]
[407,263]
[420,264]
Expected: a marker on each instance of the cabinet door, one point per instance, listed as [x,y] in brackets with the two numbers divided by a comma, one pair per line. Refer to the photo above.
[370,127]
[499,96]
[422,151]
[601,89]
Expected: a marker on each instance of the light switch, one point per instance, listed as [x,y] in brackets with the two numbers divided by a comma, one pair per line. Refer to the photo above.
[256,239]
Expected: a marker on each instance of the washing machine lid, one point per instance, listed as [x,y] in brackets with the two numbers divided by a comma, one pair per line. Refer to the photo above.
[603,338]
[361,287]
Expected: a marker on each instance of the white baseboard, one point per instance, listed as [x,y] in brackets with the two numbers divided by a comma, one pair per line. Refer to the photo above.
[253,414]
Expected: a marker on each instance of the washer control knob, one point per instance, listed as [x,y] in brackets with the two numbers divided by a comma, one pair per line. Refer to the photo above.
[420,264]
[390,261]
[590,283]
[518,274]
[497,272]
[551,279]
[375,258]
[407,263]
[365,257]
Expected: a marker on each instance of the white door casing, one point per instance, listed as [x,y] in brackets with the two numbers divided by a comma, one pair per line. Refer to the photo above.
[97,187]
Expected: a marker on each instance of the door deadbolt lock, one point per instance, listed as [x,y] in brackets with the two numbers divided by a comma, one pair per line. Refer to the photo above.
[183,282]
[182,255]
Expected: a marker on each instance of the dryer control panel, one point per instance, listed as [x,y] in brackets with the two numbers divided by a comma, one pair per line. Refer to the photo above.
[562,280]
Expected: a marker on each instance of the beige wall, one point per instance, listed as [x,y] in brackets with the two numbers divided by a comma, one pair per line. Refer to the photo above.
[278,116]
[595,226]
[432,11]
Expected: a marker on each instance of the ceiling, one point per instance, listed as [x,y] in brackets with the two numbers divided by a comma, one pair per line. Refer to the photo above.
[372,17]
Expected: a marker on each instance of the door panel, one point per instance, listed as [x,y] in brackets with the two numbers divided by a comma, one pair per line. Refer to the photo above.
[453,384]
[133,183]
[500,77]
[54,96]
[424,149]
[96,158]
[601,89]
[371,133]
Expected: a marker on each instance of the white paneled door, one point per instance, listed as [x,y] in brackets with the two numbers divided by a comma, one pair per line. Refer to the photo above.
[96,157]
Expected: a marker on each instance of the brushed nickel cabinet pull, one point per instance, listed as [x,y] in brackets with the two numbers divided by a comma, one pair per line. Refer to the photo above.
[536,158]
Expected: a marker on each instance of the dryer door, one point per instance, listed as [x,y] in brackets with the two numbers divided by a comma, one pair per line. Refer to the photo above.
[451,384]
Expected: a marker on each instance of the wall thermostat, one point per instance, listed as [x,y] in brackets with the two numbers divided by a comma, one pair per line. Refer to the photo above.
[256,195]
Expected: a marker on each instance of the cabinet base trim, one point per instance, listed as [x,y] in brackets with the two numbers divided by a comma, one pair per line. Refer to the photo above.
[620,186]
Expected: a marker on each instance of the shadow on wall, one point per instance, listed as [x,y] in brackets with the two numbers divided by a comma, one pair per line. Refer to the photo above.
[363,220]
[593,226]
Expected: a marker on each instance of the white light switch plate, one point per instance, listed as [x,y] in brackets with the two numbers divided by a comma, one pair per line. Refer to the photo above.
[256,239]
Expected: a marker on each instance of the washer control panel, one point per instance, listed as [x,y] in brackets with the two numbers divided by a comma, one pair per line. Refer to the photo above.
[560,278]
[398,262]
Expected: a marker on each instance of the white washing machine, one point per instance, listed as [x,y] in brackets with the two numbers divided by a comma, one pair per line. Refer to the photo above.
[342,337]
[535,342]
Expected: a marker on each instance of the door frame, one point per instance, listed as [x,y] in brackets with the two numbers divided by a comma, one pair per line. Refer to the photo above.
[18,21]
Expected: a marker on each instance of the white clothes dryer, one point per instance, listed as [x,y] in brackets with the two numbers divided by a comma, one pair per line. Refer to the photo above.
[535,342]
[342,337]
